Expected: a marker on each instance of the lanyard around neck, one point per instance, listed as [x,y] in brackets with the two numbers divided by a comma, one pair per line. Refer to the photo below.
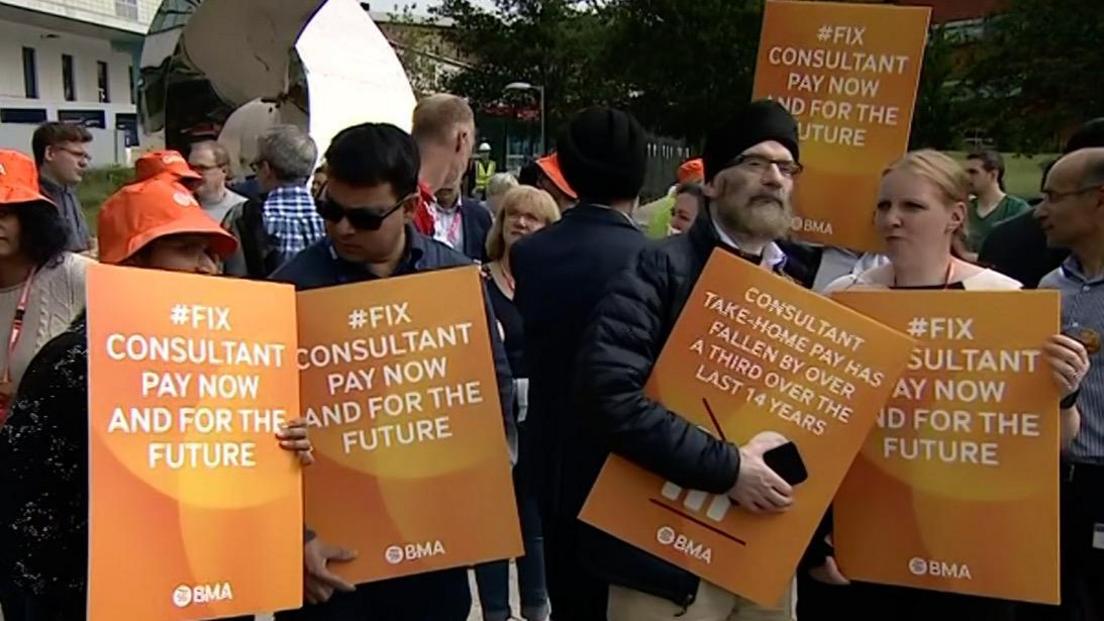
[17,323]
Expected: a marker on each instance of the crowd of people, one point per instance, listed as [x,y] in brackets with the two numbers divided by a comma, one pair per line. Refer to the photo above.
[580,303]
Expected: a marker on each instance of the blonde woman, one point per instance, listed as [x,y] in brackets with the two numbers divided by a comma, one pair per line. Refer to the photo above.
[921,215]
[523,211]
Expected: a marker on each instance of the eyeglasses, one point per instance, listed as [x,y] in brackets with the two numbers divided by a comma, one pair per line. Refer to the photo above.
[759,164]
[1052,196]
[256,165]
[80,154]
[361,218]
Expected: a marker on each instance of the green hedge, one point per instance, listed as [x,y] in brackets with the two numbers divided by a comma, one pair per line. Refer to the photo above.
[98,184]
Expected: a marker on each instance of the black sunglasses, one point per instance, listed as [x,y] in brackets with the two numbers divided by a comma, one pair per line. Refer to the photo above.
[361,218]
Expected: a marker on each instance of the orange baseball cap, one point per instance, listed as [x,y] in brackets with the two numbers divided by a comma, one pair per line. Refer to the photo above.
[691,171]
[19,179]
[142,212]
[168,162]
[550,166]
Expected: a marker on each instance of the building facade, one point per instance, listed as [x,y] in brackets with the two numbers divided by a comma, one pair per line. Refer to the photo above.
[71,60]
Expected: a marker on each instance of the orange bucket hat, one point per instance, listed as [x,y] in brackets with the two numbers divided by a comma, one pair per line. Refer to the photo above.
[142,212]
[167,162]
[19,179]
[691,171]
[550,166]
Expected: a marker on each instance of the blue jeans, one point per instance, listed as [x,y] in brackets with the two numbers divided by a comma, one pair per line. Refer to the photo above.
[493,579]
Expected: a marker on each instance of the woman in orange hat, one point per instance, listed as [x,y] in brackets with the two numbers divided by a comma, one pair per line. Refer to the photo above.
[154,224]
[41,284]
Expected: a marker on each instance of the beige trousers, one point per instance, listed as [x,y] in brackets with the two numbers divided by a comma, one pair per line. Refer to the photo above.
[711,604]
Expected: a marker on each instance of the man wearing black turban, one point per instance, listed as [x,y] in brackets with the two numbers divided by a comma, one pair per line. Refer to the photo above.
[561,273]
[751,164]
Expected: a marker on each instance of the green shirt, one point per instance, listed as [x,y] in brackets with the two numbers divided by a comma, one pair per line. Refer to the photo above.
[978,228]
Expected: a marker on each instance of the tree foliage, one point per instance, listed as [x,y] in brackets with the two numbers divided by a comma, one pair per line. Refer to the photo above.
[544,42]
[686,63]
[1026,77]
[936,118]
[1036,74]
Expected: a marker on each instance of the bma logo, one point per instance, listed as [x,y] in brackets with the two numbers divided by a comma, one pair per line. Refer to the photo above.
[668,537]
[184,595]
[413,551]
[940,569]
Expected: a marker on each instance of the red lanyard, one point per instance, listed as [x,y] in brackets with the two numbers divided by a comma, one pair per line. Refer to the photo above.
[17,324]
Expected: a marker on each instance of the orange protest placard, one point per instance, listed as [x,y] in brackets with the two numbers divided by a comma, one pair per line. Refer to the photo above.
[848,73]
[399,389]
[189,379]
[753,352]
[956,489]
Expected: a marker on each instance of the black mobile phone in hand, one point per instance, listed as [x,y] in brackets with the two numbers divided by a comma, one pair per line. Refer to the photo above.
[786,461]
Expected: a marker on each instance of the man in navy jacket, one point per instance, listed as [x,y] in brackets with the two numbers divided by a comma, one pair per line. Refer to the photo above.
[373,176]
[562,272]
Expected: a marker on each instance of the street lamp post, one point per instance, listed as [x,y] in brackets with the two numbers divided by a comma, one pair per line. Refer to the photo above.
[525,86]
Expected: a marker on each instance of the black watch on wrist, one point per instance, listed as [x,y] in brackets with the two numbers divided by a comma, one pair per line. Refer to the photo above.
[1070,400]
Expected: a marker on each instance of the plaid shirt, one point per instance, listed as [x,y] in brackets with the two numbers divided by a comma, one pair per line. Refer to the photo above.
[291,221]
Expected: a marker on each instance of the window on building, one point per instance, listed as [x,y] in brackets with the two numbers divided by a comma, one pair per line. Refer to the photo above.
[30,74]
[102,81]
[127,9]
[68,83]
[84,118]
[130,77]
[31,116]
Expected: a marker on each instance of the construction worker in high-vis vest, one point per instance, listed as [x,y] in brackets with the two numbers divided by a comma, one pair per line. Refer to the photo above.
[484,169]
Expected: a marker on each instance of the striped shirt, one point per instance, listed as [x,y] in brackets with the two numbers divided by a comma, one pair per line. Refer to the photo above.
[291,220]
[1083,309]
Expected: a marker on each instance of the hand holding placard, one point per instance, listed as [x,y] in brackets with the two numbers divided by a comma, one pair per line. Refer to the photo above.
[319,582]
[403,401]
[795,379]
[758,488]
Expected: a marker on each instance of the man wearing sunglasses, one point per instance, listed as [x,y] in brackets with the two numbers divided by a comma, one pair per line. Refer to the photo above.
[370,194]
[61,153]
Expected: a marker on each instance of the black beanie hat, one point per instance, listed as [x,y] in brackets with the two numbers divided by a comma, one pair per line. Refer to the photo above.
[760,121]
[602,153]
[1087,136]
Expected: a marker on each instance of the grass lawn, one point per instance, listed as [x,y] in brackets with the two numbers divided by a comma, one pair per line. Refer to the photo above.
[98,184]
[1022,174]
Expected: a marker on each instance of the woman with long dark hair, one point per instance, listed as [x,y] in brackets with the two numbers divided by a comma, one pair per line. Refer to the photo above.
[41,288]
[41,284]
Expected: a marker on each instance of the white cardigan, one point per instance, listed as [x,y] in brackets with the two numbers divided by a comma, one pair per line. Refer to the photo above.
[985,280]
